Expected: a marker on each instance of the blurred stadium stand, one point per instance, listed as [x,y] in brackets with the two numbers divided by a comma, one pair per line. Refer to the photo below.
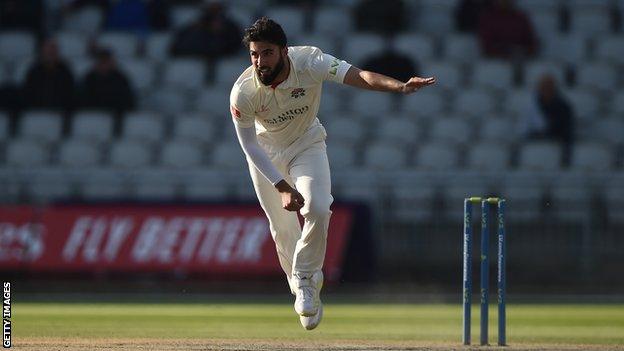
[412,159]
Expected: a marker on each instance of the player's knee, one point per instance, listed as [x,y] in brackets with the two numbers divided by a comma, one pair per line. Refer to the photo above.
[316,209]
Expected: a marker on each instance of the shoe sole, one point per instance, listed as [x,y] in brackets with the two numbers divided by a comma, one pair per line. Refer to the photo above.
[313,326]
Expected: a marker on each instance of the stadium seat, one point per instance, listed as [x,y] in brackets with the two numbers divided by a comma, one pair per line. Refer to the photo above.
[610,50]
[130,154]
[436,157]
[361,46]
[534,70]
[194,128]
[589,5]
[461,48]
[499,130]
[453,131]
[546,23]
[436,19]
[72,44]
[19,71]
[185,74]
[456,191]
[590,22]
[540,156]
[416,46]
[371,102]
[412,196]
[474,103]
[332,21]
[157,46]
[47,188]
[402,132]
[4,127]
[16,46]
[123,44]
[327,44]
[143,126]
[141,73]
[228,155]
[610,130]
[244,17]
[614,198]
[228,71]
[43,126]
[180,154]
[86,20]
[526,196]
[341,155]
[617,104]
[570,200]
[27,153]
[330,107]
[92,126]
[448,75]
[346,130]
[518,102]
[425,103]
[290,18]
[489,156]
[184,15]
[533,6]
[567,49]
[592,157]
[167,100]
[384,156]
[585,105]
[493,74]
[104,185]
[149,189]
[206,188]
[214,101]
[597,76]
[79,153]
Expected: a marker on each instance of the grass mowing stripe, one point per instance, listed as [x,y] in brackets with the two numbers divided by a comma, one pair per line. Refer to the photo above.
[569,323]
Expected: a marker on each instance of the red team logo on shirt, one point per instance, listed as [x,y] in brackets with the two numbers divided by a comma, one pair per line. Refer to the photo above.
[297,92]
[235,112]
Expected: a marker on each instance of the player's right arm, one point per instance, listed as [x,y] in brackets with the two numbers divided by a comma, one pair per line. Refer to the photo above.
[243,119]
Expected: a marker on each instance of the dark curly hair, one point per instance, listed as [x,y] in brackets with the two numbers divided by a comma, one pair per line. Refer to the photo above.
[267,30]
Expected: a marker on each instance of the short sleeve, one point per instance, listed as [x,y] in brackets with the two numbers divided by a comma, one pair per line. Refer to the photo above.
[241,109]
[327,67]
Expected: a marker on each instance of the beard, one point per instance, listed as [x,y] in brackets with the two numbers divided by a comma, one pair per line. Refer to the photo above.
[269,76]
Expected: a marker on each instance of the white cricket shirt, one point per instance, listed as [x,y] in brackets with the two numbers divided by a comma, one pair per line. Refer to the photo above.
[284,113]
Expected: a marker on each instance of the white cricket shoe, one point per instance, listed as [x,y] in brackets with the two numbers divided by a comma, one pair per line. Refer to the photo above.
[307,291]
[310,323]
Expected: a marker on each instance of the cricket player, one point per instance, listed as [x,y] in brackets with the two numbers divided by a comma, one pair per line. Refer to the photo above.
[274,105]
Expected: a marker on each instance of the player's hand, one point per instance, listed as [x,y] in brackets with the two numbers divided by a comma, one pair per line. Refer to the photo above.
[416,83]
[292,200]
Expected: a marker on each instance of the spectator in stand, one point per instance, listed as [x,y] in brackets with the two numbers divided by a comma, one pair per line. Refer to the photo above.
[384,17]
[506,32]
[49,82]
[105,87]
[392,64]
[22,15]
[213,36]
[467,15]
[550,116]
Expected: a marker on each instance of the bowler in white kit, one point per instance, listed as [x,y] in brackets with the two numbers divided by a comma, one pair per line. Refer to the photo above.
[274,105]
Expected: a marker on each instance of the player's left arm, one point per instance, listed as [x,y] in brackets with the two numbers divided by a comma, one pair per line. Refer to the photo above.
[376,81]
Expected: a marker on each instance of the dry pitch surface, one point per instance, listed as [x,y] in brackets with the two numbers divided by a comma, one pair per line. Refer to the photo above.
[229,326]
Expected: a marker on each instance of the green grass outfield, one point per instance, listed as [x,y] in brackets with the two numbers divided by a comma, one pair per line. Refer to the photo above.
[408,324]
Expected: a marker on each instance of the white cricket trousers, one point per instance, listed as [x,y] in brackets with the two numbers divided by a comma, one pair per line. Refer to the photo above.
[305,166]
